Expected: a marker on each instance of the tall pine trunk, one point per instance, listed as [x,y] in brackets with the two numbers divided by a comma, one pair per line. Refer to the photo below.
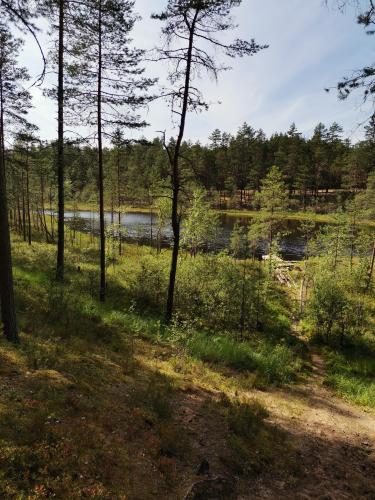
[28,197]
[119,200]
[8,310]
[176,181]
[100,163]
[19,215]
[24,228]
[60,150]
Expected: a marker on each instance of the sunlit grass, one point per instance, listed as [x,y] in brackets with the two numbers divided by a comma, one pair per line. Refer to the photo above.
[351,373]
[92,385]
[272,363]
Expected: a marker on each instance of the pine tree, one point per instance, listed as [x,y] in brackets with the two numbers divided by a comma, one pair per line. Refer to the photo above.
[363,79]
[190,27]
[14,102]
[56,11]
[107,82]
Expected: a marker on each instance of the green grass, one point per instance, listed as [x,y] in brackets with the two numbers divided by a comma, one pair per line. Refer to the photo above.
[86,406]
[73,398]
[290,215]
[351,373]
[88,400]
[273,364]
[87,206]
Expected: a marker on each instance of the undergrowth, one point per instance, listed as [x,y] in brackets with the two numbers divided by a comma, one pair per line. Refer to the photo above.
[82,413]
[351,372]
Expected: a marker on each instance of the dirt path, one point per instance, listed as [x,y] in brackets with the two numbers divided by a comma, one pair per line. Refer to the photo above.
[335,442]
[330,445]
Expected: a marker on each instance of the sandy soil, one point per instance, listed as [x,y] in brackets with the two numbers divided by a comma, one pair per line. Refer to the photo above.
[329,445]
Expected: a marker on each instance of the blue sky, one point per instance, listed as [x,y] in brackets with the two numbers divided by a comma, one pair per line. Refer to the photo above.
[311,48]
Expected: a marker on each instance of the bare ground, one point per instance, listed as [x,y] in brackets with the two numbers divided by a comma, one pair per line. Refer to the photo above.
[329,445]
[317,446]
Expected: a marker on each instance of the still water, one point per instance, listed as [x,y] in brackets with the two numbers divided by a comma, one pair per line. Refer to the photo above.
[142,227]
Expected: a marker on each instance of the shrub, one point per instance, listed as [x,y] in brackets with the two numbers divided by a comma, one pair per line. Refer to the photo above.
[336,308]
[215,292]
[149,284]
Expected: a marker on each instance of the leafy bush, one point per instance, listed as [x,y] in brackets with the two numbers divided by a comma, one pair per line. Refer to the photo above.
[149,284]
[336,308]
[215,292]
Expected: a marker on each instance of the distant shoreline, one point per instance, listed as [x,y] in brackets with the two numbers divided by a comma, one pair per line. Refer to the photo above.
[290,215]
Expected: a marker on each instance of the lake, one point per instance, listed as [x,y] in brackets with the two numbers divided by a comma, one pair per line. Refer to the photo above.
[139,226]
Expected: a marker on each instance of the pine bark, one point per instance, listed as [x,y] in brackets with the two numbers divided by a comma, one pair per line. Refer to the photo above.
[60,151]
[100,162]
[176,181]
[8,310]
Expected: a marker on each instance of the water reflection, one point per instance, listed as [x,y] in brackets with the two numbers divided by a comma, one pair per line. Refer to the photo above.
[142,227]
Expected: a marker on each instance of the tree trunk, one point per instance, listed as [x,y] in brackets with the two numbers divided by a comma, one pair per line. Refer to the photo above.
[18,216]
[60,151]
[23,207]
[175,176]
[52,214]
[28,197]
[119,202]
[8,310]
[100,164]
[112,208]
[371,270]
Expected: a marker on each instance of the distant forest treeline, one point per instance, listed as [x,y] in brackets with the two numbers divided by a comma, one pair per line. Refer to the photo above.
[227,167]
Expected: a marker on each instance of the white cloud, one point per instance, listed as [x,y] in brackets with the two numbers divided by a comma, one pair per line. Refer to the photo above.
[311,47]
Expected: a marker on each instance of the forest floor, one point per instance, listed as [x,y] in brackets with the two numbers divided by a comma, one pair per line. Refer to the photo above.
[318,446]
[156,426]
[335,442]
[92,406]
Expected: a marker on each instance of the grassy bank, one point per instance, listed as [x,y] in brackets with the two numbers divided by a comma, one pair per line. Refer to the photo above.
[83,207]
[290,215]
[88,401]
[94,402]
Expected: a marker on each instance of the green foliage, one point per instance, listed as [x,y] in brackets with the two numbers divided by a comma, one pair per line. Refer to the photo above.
[201,225]
[351,372]
[213,292]
[239,161]
[83,404]
[338,306]
[149,284]
[274,363]
[163,210]
[238,242]
[327,305]
[273,195]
